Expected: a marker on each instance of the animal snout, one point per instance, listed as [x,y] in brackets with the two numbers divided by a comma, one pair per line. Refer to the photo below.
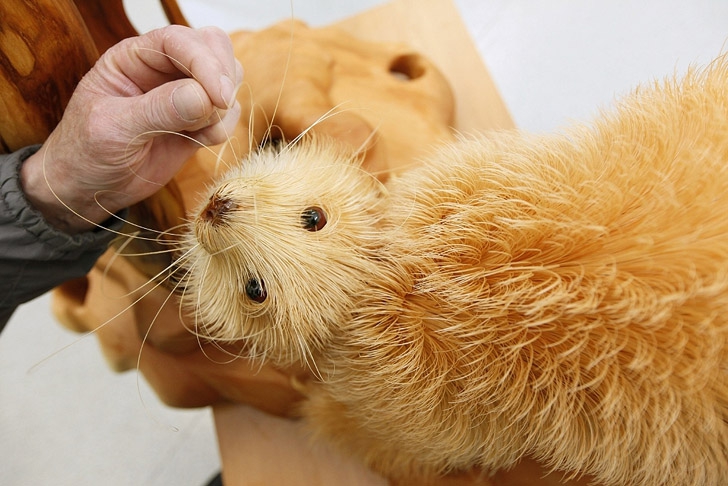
[217,209]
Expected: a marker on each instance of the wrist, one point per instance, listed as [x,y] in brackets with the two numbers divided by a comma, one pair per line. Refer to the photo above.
[56,205]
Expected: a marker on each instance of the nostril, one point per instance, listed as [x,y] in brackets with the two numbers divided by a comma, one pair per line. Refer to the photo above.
[217,209]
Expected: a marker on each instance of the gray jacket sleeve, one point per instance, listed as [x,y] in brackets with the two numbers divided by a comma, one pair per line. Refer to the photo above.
[34,256]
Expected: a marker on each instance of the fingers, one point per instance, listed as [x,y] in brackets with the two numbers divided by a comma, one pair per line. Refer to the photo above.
[175,79]
[176,106]
[171,79]
[219,42]
[174,52]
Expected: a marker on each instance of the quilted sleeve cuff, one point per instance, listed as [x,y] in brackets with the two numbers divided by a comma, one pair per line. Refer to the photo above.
[27,235]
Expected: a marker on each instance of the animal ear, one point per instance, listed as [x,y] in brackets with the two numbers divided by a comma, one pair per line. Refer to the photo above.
[315,113]
[354,131]
[348,128]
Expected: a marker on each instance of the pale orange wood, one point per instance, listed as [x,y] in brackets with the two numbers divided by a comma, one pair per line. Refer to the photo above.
[258,448]
[435,28]
[303,74]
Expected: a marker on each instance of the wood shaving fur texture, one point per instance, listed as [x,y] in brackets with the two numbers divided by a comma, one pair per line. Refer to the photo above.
[563,297]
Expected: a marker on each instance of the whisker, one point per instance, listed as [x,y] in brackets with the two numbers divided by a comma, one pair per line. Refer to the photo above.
[285,75]
[147,253]
[170,132]
[115,316]
[196,331]
[101,326]
[141,350]
[219,159]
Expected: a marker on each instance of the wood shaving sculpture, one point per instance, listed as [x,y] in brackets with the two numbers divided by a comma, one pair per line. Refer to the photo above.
[562,297]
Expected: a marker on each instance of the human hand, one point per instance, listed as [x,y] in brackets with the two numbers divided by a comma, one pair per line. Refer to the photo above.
[115,144]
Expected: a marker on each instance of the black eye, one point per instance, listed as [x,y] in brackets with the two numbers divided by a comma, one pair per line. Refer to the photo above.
[255,290]
[313,219]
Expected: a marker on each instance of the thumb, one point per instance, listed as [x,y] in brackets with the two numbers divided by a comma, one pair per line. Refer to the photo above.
[181,105]
[191,103]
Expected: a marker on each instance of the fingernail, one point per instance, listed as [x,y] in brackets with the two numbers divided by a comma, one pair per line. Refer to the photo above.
[187,103]
[227,90]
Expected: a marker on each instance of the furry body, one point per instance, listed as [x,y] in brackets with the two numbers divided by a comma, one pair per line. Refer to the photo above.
[561,297]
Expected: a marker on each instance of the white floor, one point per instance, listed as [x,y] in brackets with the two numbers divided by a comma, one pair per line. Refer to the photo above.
[70,421]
